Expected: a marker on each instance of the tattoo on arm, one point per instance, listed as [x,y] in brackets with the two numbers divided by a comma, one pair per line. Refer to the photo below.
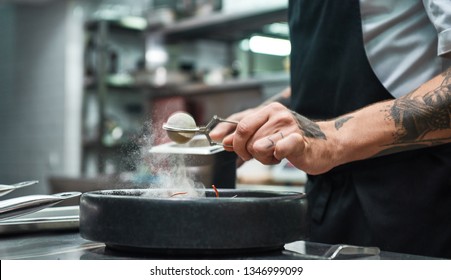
[310,128]
[415,117]
[341,121]
[447,77]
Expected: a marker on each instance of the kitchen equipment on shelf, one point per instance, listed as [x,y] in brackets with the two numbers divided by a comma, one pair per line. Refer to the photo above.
[238,221]
[181,127]
[18,206]
[5,189]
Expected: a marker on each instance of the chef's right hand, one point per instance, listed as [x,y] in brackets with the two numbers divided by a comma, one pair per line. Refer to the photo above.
[223,129]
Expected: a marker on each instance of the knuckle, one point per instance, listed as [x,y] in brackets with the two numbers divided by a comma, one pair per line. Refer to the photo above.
[263,153]
[275,106]
[242,129]
[286,118]
[259,146]
[251,149]
[258,153]
[287,115]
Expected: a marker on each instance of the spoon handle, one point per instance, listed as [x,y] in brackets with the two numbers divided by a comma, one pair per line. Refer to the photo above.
[28,204]
[224,120]
[5,189]
[24,184]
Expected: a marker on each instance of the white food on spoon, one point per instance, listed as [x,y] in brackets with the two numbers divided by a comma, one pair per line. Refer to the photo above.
[181,120]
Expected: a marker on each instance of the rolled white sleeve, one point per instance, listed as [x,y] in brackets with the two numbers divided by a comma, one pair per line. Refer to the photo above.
[439,12]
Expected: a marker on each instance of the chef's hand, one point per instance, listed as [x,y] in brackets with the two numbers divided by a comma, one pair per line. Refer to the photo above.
[272,133]
[223,129]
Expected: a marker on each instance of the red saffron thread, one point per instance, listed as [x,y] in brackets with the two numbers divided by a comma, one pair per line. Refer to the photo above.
[178,193]
[216,190]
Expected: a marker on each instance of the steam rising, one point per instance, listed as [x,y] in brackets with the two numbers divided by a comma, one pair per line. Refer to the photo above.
[169,172]
[173,177]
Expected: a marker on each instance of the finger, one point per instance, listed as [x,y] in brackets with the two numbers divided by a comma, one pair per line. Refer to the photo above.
[221,130]
[245,129]
[268,142]
[290,145]
[263,149]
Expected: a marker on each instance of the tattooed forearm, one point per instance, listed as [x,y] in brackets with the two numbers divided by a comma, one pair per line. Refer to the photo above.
[416,116]
[310,128]
[340,122]
[447,77]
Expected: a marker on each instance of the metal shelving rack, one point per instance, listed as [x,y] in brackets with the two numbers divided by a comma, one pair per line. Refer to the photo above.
[98,85]
[226,28]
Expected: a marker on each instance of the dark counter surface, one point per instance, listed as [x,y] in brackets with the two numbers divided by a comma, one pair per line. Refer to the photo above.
[69,245]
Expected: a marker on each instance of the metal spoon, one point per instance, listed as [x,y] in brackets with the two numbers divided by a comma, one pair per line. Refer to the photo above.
[5,189]
[181,128]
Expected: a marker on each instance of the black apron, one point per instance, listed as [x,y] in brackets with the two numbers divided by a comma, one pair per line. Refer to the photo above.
[401,202]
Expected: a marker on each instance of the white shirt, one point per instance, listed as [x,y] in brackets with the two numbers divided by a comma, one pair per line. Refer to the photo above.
[406,41]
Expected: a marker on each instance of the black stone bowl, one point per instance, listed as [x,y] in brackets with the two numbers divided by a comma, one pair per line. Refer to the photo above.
[236,221]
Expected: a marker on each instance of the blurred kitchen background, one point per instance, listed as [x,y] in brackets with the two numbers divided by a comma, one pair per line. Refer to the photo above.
[85,85]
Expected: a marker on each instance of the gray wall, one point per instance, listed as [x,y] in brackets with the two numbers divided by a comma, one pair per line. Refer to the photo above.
[39,105]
